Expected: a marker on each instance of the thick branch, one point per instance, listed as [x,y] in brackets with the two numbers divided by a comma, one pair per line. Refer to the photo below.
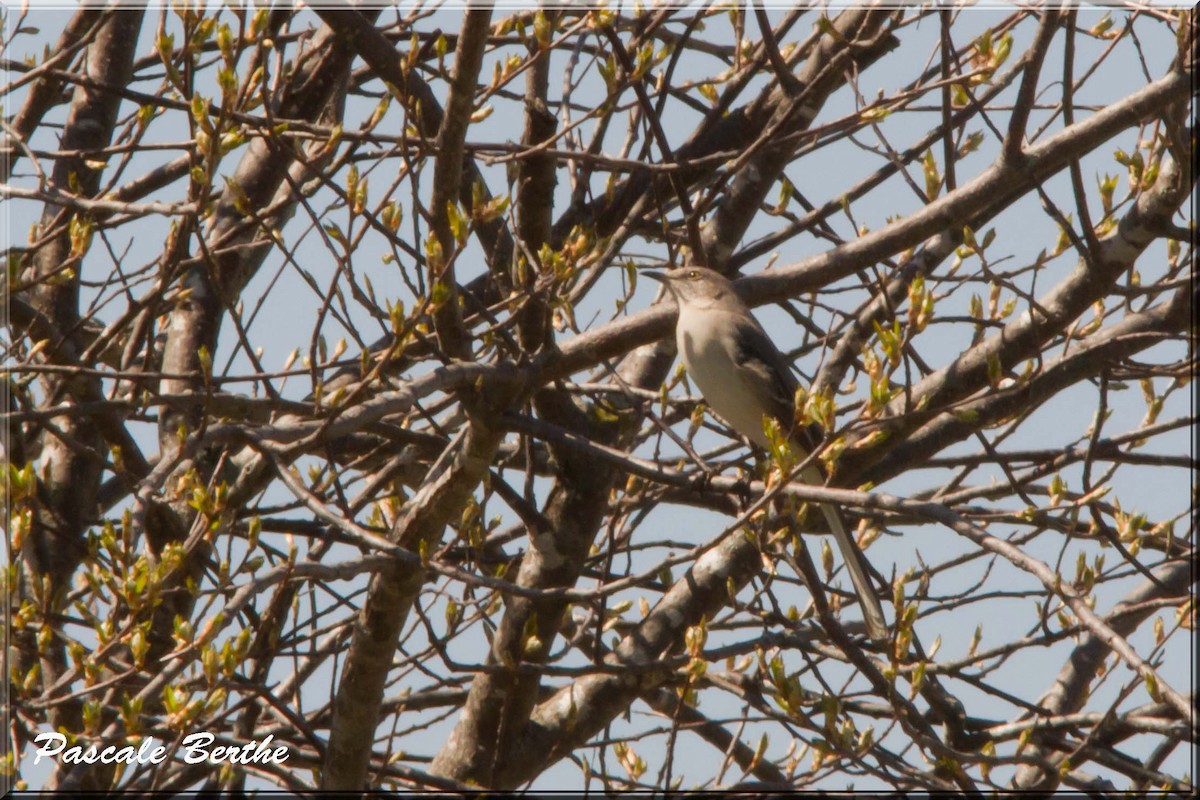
[447,175]
[389,600]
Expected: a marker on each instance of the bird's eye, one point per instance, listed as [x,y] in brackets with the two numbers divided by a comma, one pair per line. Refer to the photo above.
[694,274]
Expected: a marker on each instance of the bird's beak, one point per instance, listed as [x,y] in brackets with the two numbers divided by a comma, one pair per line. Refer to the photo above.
[655,275]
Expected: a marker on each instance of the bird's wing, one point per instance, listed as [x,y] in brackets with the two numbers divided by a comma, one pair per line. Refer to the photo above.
[757,354]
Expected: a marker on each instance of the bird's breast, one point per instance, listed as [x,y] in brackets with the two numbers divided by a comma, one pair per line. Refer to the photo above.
[711,365]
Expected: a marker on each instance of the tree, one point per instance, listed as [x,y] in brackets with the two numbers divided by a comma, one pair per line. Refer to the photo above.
[476,530]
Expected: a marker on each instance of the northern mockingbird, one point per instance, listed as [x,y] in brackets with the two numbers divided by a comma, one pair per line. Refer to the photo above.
[744,378]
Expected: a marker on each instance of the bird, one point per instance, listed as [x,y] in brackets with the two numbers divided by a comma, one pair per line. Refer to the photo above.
[744,378]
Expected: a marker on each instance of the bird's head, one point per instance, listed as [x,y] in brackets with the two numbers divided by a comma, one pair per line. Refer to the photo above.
[694,285]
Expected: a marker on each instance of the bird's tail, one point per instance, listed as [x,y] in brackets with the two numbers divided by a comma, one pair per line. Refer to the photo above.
[877,627]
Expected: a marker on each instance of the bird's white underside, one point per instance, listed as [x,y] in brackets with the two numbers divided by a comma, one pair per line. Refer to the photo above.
[711,366]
